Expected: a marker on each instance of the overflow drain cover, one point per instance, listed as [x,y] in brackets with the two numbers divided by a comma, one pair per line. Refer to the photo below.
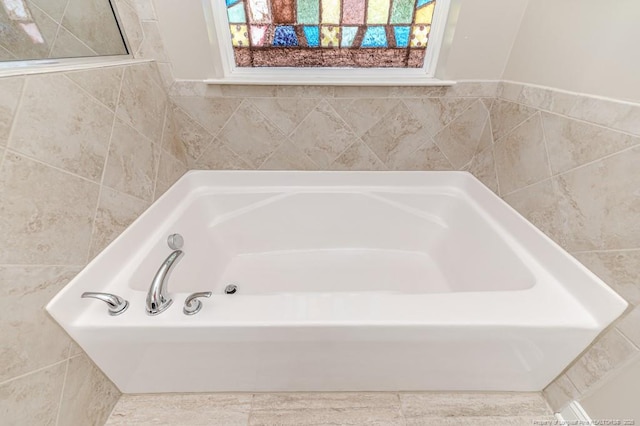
[231,289]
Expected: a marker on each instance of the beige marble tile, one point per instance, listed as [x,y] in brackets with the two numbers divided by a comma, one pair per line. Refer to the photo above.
[10,93]
[74,349]
[248,91]
[286,113]
[115,212]
[483,167]
[67,45]
[361,91]
[602,203]
[547,99]
[53,8]
[14,39]
[417,91]
[182,409]
[505,116]
[358,157]
[427,157]
[482,421]
[397,135]
[544,207]
[142,101]
[33,399]
[5,55]
[72,135]
[171,140]
[610,351]
[616,115]
[251,135]
[131,23]
[210,113]
[288,157]
[170,170]
[219,157]
[317,92]
[326,409]
[92,21]
[101,83]
[131,164]
[473,404]
[29,338]
[459,140]
[560,393]
[144,9]
[323,135]
[436,113]
[152,46]
[619,269]
[521,157]
[88,396]
[47,214]
[509,91]
[630,326]
[362,114]
[474,89]
[194,137]
[573,143]
[486,138]
[192,89]
[167,78]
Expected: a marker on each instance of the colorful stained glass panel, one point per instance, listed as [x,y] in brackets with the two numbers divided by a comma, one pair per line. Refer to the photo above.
[236,14]
[331,12]
[378,11]
[358,33]
[401,35]
[375,37]
[402,12]
[424,14]
[285,36]
[312,34]
[308,11]
[259,12]
[329,36]
[348,36]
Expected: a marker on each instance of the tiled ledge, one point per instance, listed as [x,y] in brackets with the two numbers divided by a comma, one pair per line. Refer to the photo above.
[339,408]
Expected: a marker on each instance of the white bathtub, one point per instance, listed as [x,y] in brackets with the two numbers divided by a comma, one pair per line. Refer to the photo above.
[347,281]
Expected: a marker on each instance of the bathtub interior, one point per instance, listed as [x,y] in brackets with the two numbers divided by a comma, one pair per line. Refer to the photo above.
[336,241]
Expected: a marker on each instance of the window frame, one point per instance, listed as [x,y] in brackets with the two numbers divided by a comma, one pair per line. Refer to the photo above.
[228,73]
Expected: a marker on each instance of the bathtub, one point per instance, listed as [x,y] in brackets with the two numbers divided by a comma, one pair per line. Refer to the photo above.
[356,281]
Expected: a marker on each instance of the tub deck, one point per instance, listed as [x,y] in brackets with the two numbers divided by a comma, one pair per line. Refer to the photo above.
[357,281]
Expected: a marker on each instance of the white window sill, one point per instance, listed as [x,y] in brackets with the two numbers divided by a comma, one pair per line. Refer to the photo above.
[330,77]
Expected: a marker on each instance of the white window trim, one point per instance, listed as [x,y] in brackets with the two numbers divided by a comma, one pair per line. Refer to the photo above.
[228,73]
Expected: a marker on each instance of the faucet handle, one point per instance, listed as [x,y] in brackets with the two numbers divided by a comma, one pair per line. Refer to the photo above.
[192,305]
[116,304]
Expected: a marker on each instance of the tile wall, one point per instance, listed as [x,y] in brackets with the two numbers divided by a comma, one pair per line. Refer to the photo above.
[82,154]
[571,165]
[333,128]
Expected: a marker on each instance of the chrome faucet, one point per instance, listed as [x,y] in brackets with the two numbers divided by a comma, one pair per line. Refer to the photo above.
[157,299]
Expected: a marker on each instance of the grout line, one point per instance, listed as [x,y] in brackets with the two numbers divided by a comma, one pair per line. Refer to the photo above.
[93,97]
[295,129]
[546,146]
[516,127]
[12,129]
[104,172]
[160,153]
[606,157]
[37,370]
[606,251]
[64,386]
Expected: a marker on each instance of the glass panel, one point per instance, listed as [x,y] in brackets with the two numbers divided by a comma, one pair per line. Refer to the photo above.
[45,29]
[330,33]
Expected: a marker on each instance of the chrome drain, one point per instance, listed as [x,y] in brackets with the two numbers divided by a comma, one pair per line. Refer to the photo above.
[231,289]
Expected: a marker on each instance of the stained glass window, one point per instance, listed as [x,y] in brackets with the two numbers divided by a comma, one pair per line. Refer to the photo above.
[330,33]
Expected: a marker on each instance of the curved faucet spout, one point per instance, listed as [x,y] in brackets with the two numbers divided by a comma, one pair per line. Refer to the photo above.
[157,298]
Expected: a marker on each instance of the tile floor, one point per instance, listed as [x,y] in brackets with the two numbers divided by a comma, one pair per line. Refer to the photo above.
[338,408]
